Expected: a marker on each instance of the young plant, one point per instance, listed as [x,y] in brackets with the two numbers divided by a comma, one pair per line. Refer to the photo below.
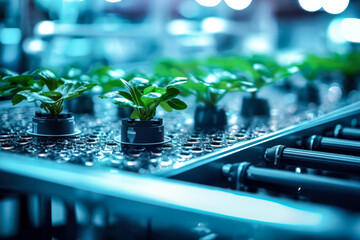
[49,90]
[170,68]
[144,97]
[313,65]
[209,85]
[213,87]
[259,71]
[262,75]
[349,63]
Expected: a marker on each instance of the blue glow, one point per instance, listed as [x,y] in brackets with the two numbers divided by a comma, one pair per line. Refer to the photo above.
[10,36]
[78,47]
[189,9]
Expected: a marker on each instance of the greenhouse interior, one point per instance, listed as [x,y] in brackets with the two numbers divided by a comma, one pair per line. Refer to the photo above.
[179,119]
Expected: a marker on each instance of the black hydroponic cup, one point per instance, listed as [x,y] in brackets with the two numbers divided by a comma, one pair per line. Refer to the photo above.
[136,132]
[48,125]
[350,83]
[207,118]
[81,105]
[255,107]
[309,94]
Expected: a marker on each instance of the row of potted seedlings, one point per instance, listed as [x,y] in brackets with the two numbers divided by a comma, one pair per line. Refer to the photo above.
[51,91]
[208,79]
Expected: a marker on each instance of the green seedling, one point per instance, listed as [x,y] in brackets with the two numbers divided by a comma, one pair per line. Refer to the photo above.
[144,97]
[43,86]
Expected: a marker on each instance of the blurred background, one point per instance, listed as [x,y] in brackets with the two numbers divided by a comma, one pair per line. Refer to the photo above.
[126,33]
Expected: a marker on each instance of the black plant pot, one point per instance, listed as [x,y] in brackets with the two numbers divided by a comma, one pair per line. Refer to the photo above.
[4,98]
[255,107]
[81,105]
[124,112]
[309,94]
[349,84]
[136,132]
[207,118]
[48,125]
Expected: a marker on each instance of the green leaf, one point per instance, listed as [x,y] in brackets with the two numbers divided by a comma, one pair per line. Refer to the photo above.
[123,102]
[17,99]
[125,95]
[53,95]
[21,79]
[6,72]
[144,98]
[34,96]
[134,92]
[177,81]
[170,93]
[120,99]
[49,78]
[149,89]
[152,95]
[140,83]
[134,115]
[166,106]
[262,70]
[71,90]
[177,104]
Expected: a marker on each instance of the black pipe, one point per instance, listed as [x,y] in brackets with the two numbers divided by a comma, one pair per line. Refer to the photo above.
[245,175]
[280,155]
[346,132]
[336,145]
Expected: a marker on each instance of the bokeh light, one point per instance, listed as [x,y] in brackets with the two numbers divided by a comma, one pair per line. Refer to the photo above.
[208,3]
[311,5]
[238,4]
[335,6]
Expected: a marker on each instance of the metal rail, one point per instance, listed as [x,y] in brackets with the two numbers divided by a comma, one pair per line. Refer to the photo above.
[170,203]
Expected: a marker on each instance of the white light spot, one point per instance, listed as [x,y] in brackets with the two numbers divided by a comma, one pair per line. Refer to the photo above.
[334,94]
[334,29]
[257,44]
[311,5]
[213,25]
[45,27]
[350,29]
[208,3]
[33,45]
[335,6]
[238,4]
[179,27]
